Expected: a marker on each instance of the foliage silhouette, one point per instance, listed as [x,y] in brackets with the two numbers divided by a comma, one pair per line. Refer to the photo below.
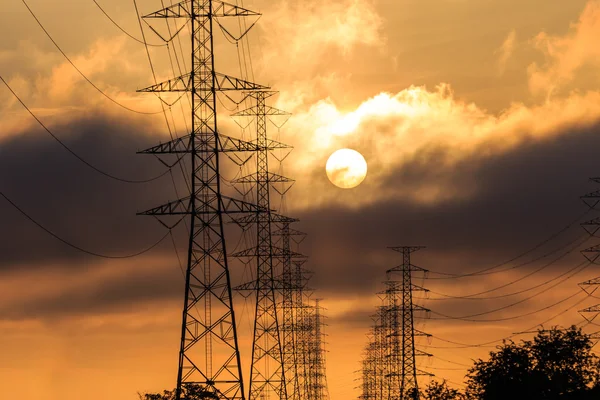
[440,391]
[557,364]
[189,391]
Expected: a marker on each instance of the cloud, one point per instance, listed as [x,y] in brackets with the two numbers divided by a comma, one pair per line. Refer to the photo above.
[506,51]
[399,132]
[568,54]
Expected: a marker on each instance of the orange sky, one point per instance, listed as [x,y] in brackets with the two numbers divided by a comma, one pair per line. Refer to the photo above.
[478,120]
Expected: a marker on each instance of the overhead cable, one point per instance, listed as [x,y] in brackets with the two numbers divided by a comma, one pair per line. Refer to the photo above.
[471,296]
[71,151]
[80,72]
[123,30]
[92,253]
[485,271]
[580,268]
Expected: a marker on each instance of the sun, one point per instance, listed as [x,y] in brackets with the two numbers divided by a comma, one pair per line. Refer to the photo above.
[346,168]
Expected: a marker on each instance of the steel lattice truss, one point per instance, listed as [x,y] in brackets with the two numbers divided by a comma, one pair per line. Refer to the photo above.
[389,362]
[592,254]
[267,376]
[209,354]
[315,378]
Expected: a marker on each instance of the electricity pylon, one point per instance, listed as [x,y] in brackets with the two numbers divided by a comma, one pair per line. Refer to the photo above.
[293,282]
[399,322]
[592,253]
[267,376]
[317,388]
[209,354]
[303,329]
[390,354]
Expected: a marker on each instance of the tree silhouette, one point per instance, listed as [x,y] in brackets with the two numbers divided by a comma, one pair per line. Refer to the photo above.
[440,391]
[189,391]
[557,364]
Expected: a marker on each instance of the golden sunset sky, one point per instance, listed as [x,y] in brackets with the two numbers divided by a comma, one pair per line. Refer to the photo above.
[479,121]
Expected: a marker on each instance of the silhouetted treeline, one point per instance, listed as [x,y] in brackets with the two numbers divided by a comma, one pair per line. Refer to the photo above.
[556,365]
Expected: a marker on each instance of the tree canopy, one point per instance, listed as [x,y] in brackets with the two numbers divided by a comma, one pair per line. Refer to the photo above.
[556,364]
[188,392]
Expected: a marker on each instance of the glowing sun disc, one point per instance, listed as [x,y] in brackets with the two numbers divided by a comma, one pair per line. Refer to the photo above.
[346,168]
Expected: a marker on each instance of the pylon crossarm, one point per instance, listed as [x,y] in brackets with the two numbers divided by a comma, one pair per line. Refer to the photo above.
[276,252]
[290,232]
[229,144]
[179,145]
[273,217]
[219,9]
[177,207]
[226,82]
[591,282]
[183,206]
[591,253]
[253,112]
[592,309]
[275,145]
[183,144]
[591,226]
[271,178]
[235,206]
[591,199]
[181,83]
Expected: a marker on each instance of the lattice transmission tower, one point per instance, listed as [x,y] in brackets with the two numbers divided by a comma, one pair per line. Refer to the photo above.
[592,253]
[209,354]
[399,323]
[389,363]
[293,284]
[268,365]
[317,379]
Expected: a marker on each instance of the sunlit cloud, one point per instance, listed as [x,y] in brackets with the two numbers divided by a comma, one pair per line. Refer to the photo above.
[565,55]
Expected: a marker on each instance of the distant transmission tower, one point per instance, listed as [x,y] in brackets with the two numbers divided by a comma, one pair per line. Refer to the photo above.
[209,353]
[293,281]
[389,363]
[318,380]
[592,253]
[267,377]
[399,321]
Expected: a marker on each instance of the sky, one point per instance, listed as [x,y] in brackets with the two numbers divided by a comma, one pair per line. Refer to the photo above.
[478,120]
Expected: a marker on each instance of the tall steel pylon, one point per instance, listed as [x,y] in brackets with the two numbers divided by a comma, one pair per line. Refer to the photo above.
[293,281]
[389,362]
[399,322]
[592,253]
[209,354]
[267,376]
[317,387]
[302,329]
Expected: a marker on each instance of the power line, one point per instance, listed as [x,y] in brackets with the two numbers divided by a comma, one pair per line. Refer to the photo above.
[485,344]
[472,295]
[581,266]
[485,270]
[123,30]
[79,71]
[92,253]
[71,151]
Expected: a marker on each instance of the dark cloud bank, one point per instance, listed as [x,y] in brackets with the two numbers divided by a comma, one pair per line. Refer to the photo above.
[521,198]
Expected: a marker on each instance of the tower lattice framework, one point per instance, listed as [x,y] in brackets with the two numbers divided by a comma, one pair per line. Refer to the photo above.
[209,354]
[398,315]
[268,372]
[389,361]
[317,380]
[592,253]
